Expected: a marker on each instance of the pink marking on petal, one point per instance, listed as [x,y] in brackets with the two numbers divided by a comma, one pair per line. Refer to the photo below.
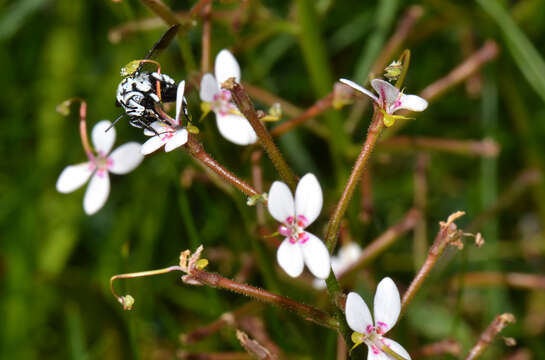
[302,221]
[109,162]
[381,327]
[289,220]
[303,237]
[283,230]
[375,349]
[369,329]
[293,239]
[101,172]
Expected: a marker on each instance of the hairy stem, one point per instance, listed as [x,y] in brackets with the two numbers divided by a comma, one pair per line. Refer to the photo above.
[197,151]
[307,312]
[335,221]
[245,105]
[499,323]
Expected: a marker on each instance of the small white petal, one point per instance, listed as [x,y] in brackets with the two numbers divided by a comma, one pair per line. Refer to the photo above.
[319,284]
[290,258]
[280,202]
[148,132]
[358,315]
[209,87]
[308,197]
[226,66]
[73,177]
[316,256]
[236,129]
[103,140]
[387,304]
[412,103]
[152,144]
[359,88]
[397,348]
[179,100]
[349,254]
[386,91]
[177,140]
[126,158]
[97,193]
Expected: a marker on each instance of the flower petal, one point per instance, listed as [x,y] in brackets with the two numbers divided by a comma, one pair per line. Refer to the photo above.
[226,66]
[179,101]
[386,91]
[178,139]
[358,315]
[308,197]
[397,348]
[359,88]
[152,144]
[97,193]
[126,158]
[280,202]
[74,176]
[349,253]
[316,256]
[290,258]
[376,354]
[236,129]
[412,103]
[387,304]
[209,87]
[103,140]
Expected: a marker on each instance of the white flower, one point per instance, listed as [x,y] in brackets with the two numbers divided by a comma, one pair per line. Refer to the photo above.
[173,135]
[231,124]
[122,160]
[390,99]
[300,247]
[387,305]
[348,254]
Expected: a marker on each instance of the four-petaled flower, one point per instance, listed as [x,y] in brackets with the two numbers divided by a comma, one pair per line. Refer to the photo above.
[390,99]
[299,247]
[171,135]
[387,305]
[231,124]
[122,160]
[348,254]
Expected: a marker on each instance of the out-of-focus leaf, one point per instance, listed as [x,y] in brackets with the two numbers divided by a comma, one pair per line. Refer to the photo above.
[15,16]
[528,59]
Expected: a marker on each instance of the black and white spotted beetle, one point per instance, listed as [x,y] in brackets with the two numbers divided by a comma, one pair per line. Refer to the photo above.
[138,93]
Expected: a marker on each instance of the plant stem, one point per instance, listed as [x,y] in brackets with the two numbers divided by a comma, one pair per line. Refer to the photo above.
[319,107]
[490,278]
[245,105]
[486,147]
[228,318]
[499,323]
[447,233]
[197,151]
[335,221]
[307,312]
[206,33]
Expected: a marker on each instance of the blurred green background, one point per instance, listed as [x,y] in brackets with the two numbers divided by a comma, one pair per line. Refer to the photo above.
[55,262]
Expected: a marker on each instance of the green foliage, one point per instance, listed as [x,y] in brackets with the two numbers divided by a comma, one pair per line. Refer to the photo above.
[55,262]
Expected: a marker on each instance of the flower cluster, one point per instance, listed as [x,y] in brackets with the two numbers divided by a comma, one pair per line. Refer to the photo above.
[122,160]
[389,99]
[295,214]
[387,306]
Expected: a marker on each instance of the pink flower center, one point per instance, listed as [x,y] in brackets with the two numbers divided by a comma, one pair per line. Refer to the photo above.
[222,104]
[293,228]
[101,163]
